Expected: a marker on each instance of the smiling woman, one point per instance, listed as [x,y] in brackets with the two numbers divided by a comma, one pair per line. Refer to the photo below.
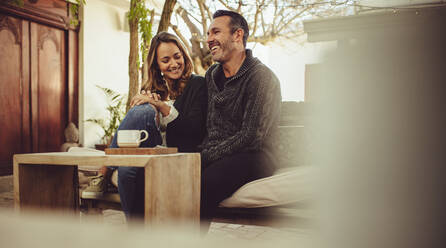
[170,66]
[173,100]
[170,61]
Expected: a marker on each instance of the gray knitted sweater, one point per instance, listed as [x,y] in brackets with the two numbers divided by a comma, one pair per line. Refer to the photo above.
[244,116]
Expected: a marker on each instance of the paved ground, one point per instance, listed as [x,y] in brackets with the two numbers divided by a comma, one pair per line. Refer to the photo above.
[220,230]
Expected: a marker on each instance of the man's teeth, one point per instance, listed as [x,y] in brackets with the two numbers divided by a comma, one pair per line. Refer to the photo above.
[213,48]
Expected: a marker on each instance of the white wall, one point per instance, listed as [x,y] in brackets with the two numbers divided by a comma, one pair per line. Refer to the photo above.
[287,60]
[104,48]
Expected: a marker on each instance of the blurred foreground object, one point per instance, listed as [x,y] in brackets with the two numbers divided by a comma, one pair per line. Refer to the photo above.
[378,104]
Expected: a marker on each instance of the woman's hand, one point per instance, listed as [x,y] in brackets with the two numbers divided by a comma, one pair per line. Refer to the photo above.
[153,99]
[146,97]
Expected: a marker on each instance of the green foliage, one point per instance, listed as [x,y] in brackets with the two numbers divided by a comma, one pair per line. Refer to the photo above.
[74,9]
[145,29]
[139,11]
[19,3]
[116,111]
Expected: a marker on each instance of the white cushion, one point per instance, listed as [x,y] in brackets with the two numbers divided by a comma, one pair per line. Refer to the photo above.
[284,187]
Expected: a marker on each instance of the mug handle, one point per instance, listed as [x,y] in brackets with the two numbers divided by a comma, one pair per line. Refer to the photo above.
[145,138]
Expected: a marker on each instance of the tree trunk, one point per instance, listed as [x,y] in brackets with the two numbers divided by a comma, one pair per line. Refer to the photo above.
[165,16]
[133,57]
[145,65]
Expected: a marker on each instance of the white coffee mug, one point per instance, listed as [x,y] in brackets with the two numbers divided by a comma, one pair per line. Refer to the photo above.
[131,138]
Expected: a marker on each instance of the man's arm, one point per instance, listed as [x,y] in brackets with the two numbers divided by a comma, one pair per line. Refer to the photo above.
[261,112]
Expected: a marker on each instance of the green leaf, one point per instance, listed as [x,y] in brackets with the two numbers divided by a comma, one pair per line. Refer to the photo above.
[116,111]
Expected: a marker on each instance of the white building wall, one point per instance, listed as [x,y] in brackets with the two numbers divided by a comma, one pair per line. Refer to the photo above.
[104,48]
[287,60]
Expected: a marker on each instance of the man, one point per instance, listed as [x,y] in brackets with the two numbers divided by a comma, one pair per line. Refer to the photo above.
[243,113]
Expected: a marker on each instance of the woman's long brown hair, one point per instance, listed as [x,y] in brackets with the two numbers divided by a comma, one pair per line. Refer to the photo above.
[155,82]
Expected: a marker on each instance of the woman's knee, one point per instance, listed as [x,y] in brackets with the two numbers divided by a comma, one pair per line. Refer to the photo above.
[138,117]
[143,110]
[126,174]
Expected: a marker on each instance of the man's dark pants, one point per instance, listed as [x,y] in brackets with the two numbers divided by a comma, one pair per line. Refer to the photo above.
[221,178]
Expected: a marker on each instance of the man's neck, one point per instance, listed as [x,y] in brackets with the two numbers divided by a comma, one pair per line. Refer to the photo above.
[231,67]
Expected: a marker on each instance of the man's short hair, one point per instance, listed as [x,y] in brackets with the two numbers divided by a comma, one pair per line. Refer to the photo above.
[237,21]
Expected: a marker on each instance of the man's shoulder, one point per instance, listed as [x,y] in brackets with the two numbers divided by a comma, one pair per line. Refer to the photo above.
[196,80]
[212,67]
[260,72]
[211,70]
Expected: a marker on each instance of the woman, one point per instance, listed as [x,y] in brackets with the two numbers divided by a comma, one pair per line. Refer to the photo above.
[173,99]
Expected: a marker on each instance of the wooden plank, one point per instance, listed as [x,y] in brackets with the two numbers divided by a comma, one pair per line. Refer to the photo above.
[26,121]
[47,12]
[88,158]
[141,151]
[46,187]
[73,82]
[172,190]
[15,178]
[52,108]
[10,90]
[34,94]
[57,7]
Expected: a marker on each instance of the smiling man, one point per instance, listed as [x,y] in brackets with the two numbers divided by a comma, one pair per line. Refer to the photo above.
[243,114]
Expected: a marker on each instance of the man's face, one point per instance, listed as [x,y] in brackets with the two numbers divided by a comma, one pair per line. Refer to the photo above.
[220,39]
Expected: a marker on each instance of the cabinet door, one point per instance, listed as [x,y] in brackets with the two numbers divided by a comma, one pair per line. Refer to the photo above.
[14,90]
[49,104]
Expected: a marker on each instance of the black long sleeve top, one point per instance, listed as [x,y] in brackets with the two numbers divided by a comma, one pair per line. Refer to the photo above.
[188,130]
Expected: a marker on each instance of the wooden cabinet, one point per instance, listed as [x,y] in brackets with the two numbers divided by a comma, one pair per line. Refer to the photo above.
[38,78]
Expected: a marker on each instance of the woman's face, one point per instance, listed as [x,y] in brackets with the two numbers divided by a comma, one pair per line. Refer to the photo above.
[170,60]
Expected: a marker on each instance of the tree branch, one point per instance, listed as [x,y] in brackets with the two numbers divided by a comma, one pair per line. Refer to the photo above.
[165,16]
[195,32]
[227,6]
[204,23]
[182,38]
[263,22]
[256,15]
[208,12]
[292,19]
[239,8]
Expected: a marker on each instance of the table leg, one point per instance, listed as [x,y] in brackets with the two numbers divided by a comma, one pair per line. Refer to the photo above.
[172,186]
[46,187]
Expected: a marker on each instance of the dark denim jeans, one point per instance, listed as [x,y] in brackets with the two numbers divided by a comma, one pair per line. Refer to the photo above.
[131,179]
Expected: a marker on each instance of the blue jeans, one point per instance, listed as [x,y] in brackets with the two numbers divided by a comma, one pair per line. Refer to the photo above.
[131,179]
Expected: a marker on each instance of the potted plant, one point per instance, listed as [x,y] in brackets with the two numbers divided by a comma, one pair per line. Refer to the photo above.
[116,110]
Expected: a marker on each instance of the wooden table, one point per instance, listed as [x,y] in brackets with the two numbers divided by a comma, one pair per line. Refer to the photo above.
[50,181]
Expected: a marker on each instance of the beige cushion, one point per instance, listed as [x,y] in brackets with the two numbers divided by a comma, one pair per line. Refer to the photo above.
[284,187]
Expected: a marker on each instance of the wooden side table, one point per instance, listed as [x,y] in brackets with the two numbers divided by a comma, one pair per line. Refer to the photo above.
[172,182]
